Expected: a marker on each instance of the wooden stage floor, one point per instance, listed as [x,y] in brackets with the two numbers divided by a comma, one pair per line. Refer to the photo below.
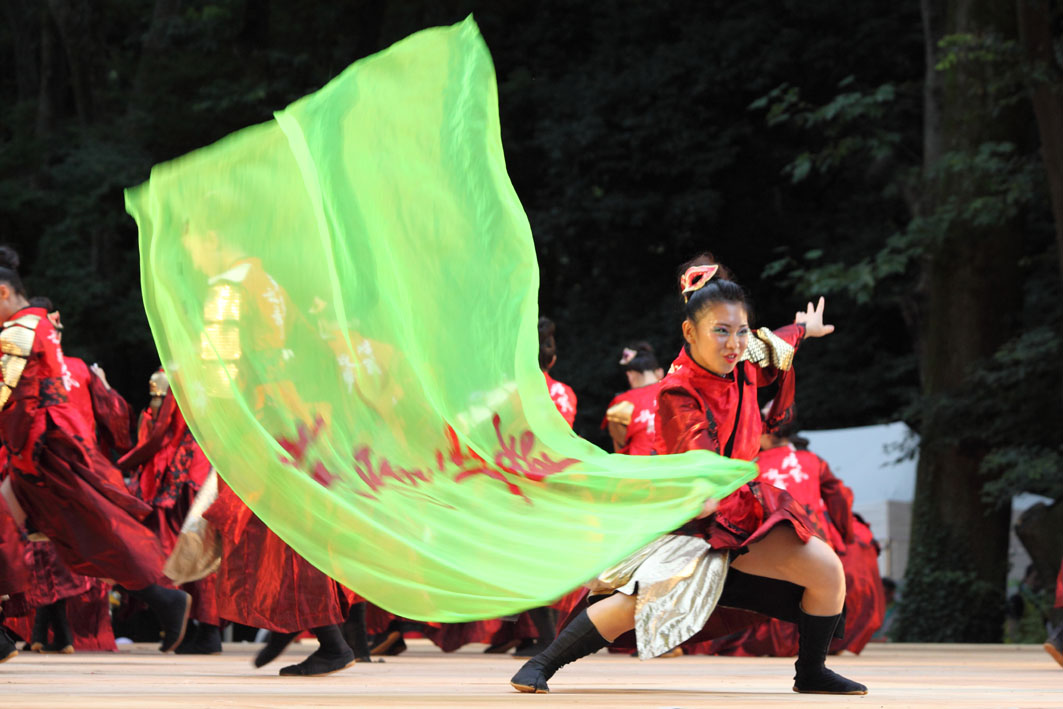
[898,676]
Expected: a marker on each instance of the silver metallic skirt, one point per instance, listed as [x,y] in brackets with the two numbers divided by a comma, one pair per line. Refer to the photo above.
[677,582]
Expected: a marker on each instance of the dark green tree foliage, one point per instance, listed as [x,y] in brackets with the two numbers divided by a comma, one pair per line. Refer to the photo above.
[626,133]
[974,268]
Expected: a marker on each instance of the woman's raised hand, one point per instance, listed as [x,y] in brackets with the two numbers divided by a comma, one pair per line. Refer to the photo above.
[812,319]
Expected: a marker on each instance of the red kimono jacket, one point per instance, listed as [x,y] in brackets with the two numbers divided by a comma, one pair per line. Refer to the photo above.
[563,397]
[700,410]
[68,490]
[636,409]
[106,412]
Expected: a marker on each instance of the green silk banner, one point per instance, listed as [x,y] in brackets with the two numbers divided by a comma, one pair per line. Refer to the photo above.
[344,299]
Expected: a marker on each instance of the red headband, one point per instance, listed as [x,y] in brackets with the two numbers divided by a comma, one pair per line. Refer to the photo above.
[695,279]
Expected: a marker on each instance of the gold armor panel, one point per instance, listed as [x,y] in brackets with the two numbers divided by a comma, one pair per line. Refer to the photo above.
[16,343]
[620,413]
[220,345]
[767,349]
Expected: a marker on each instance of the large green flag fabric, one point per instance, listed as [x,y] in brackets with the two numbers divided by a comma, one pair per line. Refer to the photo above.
[345,301]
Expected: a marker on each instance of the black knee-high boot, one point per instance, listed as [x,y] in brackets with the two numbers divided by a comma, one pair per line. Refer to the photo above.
[62,639]
[171,607]
[354,632]
[333,655]
[275,645]
[579,639]
[814,635]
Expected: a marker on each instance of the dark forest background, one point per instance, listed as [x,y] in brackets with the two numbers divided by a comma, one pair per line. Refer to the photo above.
[904,159]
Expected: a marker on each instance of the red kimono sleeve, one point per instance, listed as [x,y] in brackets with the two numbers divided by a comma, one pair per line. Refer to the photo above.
[839,501]
[782,406]
[685,425]
[113,417]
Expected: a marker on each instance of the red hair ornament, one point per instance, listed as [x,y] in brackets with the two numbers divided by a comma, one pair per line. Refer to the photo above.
[695,278]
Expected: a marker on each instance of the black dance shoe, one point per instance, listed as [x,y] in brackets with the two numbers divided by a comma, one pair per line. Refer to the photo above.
[275,645]
[320,663]
[205,641]
[579,639]
[7,646]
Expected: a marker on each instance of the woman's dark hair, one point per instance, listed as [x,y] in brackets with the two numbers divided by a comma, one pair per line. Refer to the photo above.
[9,262]
[638,357]
[721,289]
[42,301]
[547,343]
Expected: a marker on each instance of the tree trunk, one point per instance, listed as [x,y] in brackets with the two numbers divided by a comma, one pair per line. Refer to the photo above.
[73,22]
[957,568]
[24,21]
[1040,23]
[52,87]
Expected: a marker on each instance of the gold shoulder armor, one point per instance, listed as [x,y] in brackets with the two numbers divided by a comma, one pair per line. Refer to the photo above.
[16,344]
[220,346]
[766,349]
[620,413]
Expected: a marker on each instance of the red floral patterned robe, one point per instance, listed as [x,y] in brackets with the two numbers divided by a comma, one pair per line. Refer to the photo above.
[68,489]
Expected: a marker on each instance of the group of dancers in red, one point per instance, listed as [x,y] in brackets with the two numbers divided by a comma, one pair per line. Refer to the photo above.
[789,569]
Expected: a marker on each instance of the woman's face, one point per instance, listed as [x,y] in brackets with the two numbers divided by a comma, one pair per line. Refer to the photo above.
[719,338]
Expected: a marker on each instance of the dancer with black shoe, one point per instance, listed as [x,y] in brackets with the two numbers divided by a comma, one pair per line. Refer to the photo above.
[167,470]
[262,582]
[59,485]
[679,584]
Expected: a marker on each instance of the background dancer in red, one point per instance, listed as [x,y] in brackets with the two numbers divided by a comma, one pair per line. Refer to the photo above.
[708,401]
[263,582]
[60,485]
[828,504]
[168,469]
[55,588]
[561,394]
[630,418]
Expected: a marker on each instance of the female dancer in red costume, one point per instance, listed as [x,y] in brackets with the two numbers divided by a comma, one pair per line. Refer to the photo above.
[168,469]
[262,582]
[59,483]
[630,418]
[778,567]
[55,589]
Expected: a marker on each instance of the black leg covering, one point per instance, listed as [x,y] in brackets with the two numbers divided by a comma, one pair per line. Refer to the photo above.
[545,620]
[41,623]
[275,645]
[333,655]
[579,639]
[171,607]
[814,635]
[355,634]
[62,638]
[7,644]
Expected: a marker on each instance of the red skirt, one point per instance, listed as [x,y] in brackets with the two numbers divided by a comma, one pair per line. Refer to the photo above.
[262,581]
[77,499]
